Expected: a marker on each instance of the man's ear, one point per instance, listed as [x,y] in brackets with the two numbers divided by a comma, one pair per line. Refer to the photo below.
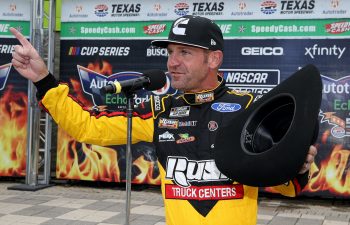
[215,59]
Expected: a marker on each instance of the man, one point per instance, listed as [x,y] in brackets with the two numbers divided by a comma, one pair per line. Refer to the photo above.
[183,129]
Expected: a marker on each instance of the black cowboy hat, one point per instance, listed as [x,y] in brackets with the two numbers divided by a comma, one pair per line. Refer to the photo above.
[267,144]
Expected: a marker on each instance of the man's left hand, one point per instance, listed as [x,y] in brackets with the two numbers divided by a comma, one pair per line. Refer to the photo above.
[310,158]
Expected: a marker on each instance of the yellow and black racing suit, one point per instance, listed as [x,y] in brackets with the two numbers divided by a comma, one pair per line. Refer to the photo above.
[183,129]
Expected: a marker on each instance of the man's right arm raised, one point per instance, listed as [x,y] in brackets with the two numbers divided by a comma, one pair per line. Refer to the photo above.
[100,129]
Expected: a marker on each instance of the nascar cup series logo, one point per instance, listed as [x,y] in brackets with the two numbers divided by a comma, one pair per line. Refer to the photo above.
[4,72]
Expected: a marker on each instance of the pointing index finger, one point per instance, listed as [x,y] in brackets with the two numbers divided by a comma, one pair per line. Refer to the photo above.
[24,42]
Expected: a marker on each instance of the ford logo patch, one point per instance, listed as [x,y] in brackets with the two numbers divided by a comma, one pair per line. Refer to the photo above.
[226,107]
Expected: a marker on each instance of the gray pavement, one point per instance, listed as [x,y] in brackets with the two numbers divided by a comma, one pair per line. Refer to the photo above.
[77,204]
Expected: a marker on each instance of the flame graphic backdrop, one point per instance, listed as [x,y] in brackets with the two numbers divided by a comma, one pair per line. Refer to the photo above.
[81,161]
[329,176]
[13,124]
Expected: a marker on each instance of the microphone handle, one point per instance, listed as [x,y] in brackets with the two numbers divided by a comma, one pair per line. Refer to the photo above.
[109,89]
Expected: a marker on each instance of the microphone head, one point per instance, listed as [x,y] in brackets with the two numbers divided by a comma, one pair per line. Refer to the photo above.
[157,79]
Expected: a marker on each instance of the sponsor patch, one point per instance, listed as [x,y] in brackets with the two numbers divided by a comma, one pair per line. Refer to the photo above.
[185,138]
[180,111]
[226,107]
[188,123]
[168,123]
[183,171]
[167,136]
[215,192]
[213,125]
[204,97]
[157,103]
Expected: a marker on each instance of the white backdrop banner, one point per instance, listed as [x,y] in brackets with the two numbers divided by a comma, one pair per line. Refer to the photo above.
[145,10]
[18,10]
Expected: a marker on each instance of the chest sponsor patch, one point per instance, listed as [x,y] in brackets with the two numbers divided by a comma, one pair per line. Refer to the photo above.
[185,138]
[157,102]
[213,125]
[166,136]
[215,192]
[191,123]
[182,171]
[226,107]
[168,123]
[204,97]
[179,111]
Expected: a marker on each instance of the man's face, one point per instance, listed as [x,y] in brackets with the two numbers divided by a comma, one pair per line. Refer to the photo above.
[188,67]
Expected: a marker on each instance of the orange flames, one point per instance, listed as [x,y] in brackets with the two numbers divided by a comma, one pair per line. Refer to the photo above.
[103,67]
[91,162]
[146,175]
[85,162]
[13,123]
[333,174]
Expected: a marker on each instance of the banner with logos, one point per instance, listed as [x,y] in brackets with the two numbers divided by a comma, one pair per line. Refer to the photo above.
[152,10]
[259,65]
[13,91]
[88,65]
[259,54]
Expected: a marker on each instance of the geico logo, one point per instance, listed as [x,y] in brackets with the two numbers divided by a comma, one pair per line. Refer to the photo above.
[262,51]
[157,52]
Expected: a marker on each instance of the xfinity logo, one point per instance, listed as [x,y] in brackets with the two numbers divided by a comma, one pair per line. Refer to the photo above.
[320,51]
[262,51]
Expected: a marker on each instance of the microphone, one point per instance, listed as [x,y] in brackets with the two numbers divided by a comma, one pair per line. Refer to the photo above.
[150,80]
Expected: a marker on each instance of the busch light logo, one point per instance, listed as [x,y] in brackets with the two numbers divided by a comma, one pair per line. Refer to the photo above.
[4,72]
[226,107]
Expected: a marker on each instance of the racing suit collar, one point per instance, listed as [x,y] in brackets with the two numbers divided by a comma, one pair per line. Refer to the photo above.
[206,95]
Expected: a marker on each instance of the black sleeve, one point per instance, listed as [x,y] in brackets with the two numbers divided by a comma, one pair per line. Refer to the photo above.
[44,85]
